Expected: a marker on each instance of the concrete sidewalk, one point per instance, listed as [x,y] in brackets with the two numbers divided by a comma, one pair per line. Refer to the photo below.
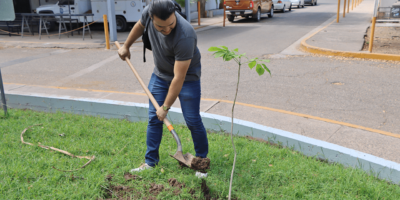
[77,42]
[348,34]
[346,38]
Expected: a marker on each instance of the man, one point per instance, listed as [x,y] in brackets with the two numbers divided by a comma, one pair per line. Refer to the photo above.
[176,74]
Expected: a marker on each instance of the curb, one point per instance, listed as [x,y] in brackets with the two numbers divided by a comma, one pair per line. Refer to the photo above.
[323,51]
[373,165]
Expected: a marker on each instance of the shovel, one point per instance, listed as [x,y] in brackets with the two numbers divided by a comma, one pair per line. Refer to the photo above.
[185,159]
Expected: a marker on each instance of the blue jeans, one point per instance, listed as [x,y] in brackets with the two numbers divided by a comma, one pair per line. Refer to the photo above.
[190,104]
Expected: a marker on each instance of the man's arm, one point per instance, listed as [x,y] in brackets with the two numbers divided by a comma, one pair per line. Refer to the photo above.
[180,70]
[135,33]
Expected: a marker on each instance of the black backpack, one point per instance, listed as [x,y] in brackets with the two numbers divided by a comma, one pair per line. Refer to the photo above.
[145,36]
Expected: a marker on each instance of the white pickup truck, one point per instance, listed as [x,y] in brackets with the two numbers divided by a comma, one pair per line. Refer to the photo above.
[126,11]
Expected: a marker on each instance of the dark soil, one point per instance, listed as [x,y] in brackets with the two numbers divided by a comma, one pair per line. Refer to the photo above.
[177,192]
[192,191]
[109,177]
[155,189]
[128,176]
[206,191]
[200,164]
[119,192]
[174,183]
[125,192]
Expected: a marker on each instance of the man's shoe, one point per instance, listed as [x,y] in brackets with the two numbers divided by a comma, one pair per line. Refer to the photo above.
[201,175]
[141,168]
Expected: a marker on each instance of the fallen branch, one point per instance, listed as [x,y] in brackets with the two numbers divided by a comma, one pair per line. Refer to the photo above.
[59,150]
[93,157]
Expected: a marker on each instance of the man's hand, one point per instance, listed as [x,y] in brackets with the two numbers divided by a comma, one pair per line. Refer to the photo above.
[123,53]
[161,113]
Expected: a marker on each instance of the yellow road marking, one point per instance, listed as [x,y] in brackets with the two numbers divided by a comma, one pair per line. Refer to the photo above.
[79,89]
[310,117]
[238,103]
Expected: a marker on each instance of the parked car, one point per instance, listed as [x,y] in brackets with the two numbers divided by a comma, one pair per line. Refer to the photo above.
[248,8]
[282,5]
[298,3]
[311,2]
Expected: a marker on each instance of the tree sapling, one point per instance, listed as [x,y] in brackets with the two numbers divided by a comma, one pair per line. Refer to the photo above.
[259,64]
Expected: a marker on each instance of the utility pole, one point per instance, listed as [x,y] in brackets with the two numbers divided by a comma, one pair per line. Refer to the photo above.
[187,10]
[111,20]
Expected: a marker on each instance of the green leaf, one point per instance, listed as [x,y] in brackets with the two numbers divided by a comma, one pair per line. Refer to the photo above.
[224,47]
[219,54]
[237,50]
[260,70]
[243,54]
[266,68]
[228,57]
[267,61]
[252,64]
[214,49]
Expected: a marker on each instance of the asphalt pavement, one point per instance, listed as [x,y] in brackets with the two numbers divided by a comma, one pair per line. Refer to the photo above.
[350,102]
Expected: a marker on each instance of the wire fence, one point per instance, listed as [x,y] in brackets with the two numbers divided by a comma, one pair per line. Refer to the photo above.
[53,34]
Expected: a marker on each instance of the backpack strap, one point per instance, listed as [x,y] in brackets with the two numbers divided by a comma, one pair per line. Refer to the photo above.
[147,34]
[178,9]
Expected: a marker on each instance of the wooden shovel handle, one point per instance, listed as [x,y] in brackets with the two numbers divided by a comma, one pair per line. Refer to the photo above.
[153,101]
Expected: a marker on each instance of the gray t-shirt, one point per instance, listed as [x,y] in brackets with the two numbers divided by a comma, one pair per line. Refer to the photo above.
[180,44]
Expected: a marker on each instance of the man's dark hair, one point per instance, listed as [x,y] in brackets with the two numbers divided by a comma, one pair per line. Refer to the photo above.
[161,8]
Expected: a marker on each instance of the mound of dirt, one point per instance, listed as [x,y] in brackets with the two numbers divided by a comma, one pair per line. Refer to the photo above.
[174,183]
[200,164]
[109,177]
[119,192]
[128,176]
[155,189]
[125,192]
[192,191]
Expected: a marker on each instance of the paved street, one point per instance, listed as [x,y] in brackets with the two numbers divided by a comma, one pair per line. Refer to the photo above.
[270,35]
[355,91]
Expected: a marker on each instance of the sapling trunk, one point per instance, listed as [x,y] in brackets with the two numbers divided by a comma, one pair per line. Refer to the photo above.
[233,144]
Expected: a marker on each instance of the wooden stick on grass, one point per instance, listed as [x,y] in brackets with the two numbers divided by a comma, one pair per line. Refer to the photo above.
[59,150]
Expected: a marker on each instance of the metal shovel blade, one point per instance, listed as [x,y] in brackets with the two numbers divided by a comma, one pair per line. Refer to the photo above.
[185,159]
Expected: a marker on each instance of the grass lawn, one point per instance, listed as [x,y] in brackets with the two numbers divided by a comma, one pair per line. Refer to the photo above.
[263,171]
